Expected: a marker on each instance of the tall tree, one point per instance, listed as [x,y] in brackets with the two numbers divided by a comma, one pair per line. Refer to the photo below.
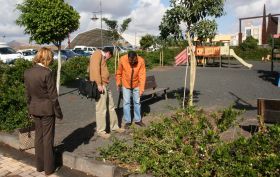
[188,12]
[48,21]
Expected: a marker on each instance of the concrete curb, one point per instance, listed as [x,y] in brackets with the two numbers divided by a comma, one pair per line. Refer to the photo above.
[70,160]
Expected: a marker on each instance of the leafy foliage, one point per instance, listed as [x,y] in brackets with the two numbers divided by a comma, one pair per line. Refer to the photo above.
[47,21]
[249,43]
[186,145]
[252,54]
[13,112]
[228,117]
[189,12]
[114,30]
[146,41]
[205,29]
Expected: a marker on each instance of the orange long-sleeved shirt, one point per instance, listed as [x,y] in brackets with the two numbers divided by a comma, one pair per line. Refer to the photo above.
[124,74]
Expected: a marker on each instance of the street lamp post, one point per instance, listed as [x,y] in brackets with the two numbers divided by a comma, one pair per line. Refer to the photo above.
[95,18]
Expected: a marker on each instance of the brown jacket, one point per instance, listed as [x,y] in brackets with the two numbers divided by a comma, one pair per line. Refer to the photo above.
[94,69]
[41,93]
[125,77]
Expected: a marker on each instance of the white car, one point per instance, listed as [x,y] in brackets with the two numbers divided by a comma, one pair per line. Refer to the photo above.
[7,54]
[27,55]
[87,49]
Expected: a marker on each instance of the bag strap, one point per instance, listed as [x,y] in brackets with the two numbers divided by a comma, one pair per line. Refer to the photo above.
[100,68]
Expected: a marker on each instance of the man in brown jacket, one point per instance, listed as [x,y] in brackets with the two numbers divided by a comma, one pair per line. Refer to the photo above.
[98,72]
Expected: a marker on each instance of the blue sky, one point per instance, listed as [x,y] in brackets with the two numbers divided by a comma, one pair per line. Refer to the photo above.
[146,15]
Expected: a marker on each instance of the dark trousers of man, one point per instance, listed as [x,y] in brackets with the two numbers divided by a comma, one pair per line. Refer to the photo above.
[44,142]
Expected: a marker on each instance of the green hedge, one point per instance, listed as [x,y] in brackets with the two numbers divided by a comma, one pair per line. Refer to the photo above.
[252,54]
[13,112]
[152,58]
[72,69]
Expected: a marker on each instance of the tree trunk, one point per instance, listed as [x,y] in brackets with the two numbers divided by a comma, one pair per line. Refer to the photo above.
[58,69]
[192,70]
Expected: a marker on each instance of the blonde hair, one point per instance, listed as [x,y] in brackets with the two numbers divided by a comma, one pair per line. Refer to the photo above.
[43,56]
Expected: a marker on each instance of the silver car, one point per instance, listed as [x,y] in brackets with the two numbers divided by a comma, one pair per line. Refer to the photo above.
[7,54]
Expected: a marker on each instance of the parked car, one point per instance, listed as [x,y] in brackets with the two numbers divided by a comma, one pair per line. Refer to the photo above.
[27,55]
[55,56]
[7,54]
[81,52]
[87,49]
[119,48]
[68,53]
[122,49]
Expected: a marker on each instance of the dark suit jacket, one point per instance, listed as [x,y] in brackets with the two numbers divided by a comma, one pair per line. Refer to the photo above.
[41,93]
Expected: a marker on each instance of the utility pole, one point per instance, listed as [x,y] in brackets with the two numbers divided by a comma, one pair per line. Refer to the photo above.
[96,18]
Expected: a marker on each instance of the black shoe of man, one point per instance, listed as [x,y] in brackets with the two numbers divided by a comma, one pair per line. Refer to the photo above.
[127,125]
[141,124]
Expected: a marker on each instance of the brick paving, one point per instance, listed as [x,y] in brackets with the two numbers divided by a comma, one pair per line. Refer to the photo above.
[10,167]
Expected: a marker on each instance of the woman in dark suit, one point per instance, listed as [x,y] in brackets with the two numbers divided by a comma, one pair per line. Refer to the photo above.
[43,107]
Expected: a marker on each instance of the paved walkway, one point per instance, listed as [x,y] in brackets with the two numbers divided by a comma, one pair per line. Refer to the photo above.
[14,168]
[14,163]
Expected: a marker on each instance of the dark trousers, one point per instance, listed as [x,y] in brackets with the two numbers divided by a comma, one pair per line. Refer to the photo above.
[44,142]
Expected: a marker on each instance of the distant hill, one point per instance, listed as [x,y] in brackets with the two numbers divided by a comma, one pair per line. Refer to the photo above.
[17,45]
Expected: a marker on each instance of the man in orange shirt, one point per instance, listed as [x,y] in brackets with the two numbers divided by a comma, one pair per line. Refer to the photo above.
[131,76]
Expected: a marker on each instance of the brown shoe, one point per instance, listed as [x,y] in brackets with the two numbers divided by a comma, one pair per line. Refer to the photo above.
[119,130]
[141,124]
[104,135]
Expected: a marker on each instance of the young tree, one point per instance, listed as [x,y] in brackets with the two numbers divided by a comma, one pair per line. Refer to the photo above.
[48,21]
[115,33]
[114,30]
[146,41]
[188,12]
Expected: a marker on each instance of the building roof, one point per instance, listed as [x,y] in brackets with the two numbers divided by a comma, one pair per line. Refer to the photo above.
[218,38]
[93,38]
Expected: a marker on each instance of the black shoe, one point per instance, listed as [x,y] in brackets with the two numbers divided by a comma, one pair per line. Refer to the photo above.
[141,124]
[127,125]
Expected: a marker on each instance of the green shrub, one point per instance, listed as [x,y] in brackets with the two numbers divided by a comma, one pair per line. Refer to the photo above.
[74,68]
[228,117]
[249,44]
[13,112]
[185,145]
[152,58]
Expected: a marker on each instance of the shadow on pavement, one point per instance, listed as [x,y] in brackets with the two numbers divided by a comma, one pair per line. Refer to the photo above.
[268,76]
[241,104]
[76,138]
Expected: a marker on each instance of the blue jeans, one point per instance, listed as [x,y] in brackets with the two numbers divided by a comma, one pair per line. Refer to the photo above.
[136,104]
